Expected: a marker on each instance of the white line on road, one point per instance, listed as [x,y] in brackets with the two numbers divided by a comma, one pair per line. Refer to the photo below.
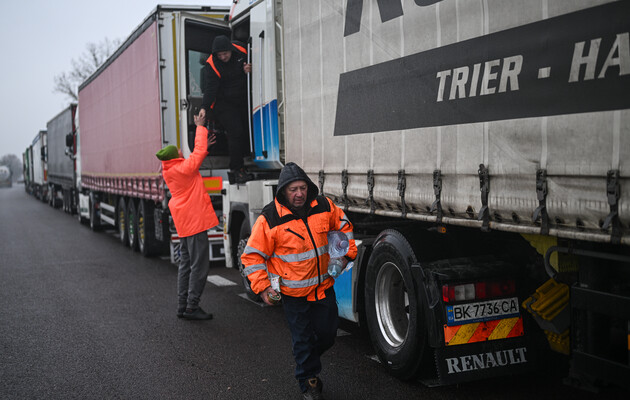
[220,281]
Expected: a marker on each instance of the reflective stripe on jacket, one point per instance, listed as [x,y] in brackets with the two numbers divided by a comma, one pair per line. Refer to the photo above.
[285,246]
[190,204]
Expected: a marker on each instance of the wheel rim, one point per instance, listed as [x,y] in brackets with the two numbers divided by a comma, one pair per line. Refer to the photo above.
[132,233]
[392,304]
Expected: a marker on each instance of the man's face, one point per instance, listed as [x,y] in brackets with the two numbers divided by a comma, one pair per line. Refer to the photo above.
[224,56]
[295,193]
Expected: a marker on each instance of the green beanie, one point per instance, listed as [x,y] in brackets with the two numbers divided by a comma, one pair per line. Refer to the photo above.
[168,153]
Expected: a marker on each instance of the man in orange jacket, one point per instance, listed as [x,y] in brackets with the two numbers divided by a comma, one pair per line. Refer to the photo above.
[193,215]
[289,244]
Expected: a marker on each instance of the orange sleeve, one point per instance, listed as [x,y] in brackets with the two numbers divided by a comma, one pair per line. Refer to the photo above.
[259,249]
[191,164]
[340,222]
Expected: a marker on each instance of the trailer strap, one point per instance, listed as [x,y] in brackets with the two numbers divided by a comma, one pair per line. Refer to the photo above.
[344,187]
[437,190]
[613,190]
[322,178]
[402,185]
[484,186]
[541,194]
[370,185]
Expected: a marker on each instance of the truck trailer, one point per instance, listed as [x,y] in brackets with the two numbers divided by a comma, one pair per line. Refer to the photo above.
[61,160]
[38,182]
[141,99]
[481,150]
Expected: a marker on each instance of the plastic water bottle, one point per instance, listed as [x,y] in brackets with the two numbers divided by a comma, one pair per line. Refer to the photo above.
[336,266]
[338,244]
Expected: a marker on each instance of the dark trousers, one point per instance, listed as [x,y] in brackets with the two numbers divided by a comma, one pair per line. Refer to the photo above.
[313,326]
[235,121]
[193,269]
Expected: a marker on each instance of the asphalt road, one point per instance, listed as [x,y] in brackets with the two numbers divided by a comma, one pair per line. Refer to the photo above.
[83,317]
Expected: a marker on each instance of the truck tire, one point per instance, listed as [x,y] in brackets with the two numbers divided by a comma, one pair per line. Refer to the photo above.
[147,244]
[242,243]
[121,221]
[132,225]
[393,311]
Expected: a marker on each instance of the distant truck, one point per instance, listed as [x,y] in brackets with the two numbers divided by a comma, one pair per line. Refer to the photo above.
[5,177]
[141,99]
[481,150]
[61,160]
[37,182]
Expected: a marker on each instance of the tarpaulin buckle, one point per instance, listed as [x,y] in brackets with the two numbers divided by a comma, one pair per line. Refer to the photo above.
[541,194]
[370,185]
[437,190]
[402,186]
[613,191]
[344,187]
[484,186]
[322,178]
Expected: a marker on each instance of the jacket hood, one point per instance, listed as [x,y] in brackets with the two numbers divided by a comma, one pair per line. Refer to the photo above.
[291,173]
[221,43]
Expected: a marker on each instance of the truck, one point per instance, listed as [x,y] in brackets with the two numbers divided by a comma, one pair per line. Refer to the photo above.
[141,99]
[5,177]
[37,167]
[481,151]
[61,160]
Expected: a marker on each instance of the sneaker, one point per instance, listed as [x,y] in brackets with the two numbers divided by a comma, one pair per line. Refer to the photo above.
[197,314]
[314,387]
[180,311]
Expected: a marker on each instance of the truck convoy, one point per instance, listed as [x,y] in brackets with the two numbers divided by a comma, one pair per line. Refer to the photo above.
[480,150]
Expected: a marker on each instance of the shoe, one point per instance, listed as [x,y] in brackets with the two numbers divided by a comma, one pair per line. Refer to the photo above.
[180,311]
[314,387]
[197,314]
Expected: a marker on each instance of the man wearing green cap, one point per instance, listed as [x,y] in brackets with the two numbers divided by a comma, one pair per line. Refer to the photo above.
[193,215]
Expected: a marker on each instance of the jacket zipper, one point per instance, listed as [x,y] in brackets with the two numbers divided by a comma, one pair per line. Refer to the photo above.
[319,275]
[295,233]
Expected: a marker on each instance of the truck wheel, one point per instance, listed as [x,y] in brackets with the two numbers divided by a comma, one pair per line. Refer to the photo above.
[242,243]
[132,225]
[121,221]
[146,229]
[393,312]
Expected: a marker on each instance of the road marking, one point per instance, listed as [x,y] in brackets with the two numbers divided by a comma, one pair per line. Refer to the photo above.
[220,281]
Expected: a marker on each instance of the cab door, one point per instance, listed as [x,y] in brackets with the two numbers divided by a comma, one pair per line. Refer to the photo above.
[266,100]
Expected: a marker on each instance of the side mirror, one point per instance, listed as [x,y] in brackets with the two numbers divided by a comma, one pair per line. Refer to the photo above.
[43,151]
[69,140]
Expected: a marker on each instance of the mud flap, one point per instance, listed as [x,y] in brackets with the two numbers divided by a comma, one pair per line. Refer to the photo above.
[474,361]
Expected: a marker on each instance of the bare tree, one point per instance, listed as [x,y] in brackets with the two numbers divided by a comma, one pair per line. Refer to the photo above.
[94,56]
[15,165]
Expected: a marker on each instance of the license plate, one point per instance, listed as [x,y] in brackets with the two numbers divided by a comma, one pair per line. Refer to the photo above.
[482,311]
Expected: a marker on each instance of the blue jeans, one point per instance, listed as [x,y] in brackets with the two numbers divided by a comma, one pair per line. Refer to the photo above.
[193,269]
[313,326]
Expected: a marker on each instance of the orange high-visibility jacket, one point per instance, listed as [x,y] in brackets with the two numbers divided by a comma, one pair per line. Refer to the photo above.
[190,205]
[285,246]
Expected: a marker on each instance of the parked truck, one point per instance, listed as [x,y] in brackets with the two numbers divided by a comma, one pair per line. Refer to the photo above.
[141,99]
[61,134]
[481,150]
[38,172]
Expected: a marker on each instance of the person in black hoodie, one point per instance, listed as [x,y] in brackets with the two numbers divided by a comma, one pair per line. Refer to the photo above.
[225,98]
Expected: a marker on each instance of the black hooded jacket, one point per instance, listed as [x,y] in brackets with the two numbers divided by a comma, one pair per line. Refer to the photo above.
[225,84]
